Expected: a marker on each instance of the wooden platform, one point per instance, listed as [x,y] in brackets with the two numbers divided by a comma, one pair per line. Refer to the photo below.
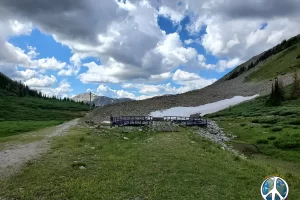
[148,120]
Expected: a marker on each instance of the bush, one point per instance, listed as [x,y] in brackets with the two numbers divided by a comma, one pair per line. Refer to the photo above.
[287,144]
[272,138]
[295,122]
[262,141]
[266,126]
[255,121]
[268,121]
[243,124]
[287,113]
[276,129]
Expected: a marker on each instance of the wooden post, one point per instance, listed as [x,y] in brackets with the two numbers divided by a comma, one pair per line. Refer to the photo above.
[90,108]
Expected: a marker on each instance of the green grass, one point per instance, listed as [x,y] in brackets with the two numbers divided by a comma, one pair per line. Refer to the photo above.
[148,165]
[9,128]
[279,64]
[261,123]
[22,114]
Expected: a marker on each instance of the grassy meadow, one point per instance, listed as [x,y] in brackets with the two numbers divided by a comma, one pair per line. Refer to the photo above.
[22,114]
[116,164]
[274,131]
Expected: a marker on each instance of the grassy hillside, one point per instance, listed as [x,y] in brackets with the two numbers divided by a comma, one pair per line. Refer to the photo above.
[24,109]
[21,114]
[279,64]
[101,164]
[281,59]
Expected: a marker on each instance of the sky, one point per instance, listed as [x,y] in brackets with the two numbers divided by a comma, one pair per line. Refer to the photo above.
[136,48]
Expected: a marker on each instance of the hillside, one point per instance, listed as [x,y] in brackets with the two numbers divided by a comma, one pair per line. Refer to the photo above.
[23,109]
[98,100]
[250,78]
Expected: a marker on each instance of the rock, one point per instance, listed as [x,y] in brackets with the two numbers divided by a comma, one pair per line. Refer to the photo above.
[82,167]
[125,138]
[93,148]
[193,142]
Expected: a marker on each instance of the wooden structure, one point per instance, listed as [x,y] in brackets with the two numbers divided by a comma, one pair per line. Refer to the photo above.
[131,120]
[148,120]
[187,121]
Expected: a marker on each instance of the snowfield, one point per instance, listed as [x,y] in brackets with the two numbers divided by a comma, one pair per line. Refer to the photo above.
[203,109]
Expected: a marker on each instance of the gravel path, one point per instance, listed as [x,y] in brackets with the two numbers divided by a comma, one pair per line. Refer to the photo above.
[13,157]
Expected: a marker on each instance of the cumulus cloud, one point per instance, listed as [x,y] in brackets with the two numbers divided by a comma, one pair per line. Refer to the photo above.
[191,79]
[64,89]
[103,90]
[41,81]
[174,15]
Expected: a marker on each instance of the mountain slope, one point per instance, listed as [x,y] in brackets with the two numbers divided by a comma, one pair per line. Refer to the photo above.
[23,109]
[98,100]
[242,81]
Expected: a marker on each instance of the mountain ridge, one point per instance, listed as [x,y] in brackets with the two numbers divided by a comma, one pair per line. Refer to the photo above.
[98,101]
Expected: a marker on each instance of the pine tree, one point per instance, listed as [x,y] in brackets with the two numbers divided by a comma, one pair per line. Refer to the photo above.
[277,95]
[295,93]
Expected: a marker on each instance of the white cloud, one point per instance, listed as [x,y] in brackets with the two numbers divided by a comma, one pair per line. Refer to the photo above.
[103,90]
[64,89]
[228,64]
[174,15]
[32,53]
[41,81]
[180,75]
[160,77]
[192,80]
[27,74]
[100,74]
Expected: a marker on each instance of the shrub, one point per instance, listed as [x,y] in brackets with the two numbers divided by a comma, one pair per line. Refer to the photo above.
[78,164]
[262,141]
[81,139]
[268,121]
[287,113]
[286,144]
[295,122]
[272,138]
[243,124]
[266,126]
[255,121]
[276,129]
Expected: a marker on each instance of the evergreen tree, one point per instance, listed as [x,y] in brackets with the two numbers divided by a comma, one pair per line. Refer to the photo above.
[277,94]
[295,93]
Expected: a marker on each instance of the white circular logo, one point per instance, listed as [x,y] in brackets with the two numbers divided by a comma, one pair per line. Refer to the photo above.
[274,188]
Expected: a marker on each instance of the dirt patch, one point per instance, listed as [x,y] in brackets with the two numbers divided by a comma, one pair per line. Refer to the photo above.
[13,157]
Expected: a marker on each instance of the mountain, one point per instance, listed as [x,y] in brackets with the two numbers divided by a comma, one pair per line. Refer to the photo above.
[252,77]
[98,100]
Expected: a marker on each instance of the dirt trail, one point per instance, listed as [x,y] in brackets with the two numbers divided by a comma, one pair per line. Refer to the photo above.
[13,157]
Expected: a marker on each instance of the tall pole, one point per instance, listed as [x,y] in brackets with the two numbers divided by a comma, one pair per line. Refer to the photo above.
[90,107]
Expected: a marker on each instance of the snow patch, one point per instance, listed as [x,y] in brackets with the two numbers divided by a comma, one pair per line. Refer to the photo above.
[203,109]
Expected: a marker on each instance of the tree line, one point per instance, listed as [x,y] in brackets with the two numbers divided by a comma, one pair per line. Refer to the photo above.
[22,90]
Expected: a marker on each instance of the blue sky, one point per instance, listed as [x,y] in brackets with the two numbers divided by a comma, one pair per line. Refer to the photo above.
[135,49]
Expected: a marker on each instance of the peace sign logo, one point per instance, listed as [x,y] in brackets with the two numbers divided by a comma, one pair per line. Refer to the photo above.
[274,188]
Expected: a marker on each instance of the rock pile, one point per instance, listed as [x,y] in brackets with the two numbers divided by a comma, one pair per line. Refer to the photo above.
[216,134]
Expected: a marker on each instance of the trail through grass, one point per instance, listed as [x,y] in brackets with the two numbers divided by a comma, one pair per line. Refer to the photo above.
[114,164]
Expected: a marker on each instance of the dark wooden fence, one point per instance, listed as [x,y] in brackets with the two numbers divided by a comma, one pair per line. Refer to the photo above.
[147,120]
